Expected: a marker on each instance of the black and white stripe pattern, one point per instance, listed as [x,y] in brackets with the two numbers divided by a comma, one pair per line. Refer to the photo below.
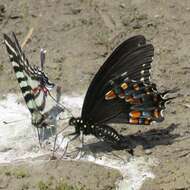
[32,80]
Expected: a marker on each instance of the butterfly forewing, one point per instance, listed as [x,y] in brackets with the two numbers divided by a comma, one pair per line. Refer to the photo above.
[99,79]
[136,64]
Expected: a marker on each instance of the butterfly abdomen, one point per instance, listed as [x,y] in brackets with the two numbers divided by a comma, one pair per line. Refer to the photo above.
[107,134]
[37,119]
[100,131]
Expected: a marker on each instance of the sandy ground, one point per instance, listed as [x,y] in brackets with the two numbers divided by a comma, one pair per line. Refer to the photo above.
[79,34]
[55,174]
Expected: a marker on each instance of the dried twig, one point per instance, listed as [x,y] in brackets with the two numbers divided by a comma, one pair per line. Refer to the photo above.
[28,36]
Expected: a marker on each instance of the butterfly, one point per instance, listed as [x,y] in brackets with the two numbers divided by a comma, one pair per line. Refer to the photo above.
[34,84]
[121,92]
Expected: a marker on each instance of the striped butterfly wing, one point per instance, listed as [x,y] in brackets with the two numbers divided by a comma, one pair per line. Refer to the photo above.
[33,82]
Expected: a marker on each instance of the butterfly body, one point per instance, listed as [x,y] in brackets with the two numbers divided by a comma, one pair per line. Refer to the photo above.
[100,131]
[40,89]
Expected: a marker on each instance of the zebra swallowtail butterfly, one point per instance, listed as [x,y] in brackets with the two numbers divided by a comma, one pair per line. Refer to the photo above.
[33,83]
[121,92]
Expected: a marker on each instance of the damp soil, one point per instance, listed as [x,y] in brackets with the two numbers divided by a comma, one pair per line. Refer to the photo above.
[78,36]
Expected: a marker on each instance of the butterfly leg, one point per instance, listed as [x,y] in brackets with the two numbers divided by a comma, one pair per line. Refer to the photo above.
[70,140]
[81,152]
[56,136]
[53,157]
[65,147]
[39,137]
[82,139]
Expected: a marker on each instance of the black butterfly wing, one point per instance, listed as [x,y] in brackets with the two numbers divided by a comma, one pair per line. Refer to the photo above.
[130,102]
[96,84]
[131,57]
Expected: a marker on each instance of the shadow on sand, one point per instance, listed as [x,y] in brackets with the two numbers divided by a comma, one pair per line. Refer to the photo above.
[148,140]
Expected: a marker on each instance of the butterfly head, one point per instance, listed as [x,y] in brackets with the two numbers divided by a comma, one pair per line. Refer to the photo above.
[44,81]
[76,122]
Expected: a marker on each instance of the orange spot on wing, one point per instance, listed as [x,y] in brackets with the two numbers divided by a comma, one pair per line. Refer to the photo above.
[35,90]
[135,114]
[157,113]
[121,95]
[132,100]
[124,86]
[155,98]
[147,121]
[110,95]
[128,99]
[136,87]
[133,121]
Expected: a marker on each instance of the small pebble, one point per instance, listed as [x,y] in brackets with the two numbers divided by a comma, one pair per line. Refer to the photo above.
[2,8]
[122,5]
[148,151]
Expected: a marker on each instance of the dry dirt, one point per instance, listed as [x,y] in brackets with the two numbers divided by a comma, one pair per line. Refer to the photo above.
[80,34]
[48,175]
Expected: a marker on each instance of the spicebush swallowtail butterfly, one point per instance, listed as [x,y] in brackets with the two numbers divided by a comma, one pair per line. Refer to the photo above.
[121,92]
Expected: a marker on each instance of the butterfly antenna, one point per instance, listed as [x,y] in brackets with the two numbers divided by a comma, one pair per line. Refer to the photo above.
[58,98]
[38,132]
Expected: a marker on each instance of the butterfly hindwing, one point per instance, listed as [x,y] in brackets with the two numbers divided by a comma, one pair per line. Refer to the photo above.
[145,103]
